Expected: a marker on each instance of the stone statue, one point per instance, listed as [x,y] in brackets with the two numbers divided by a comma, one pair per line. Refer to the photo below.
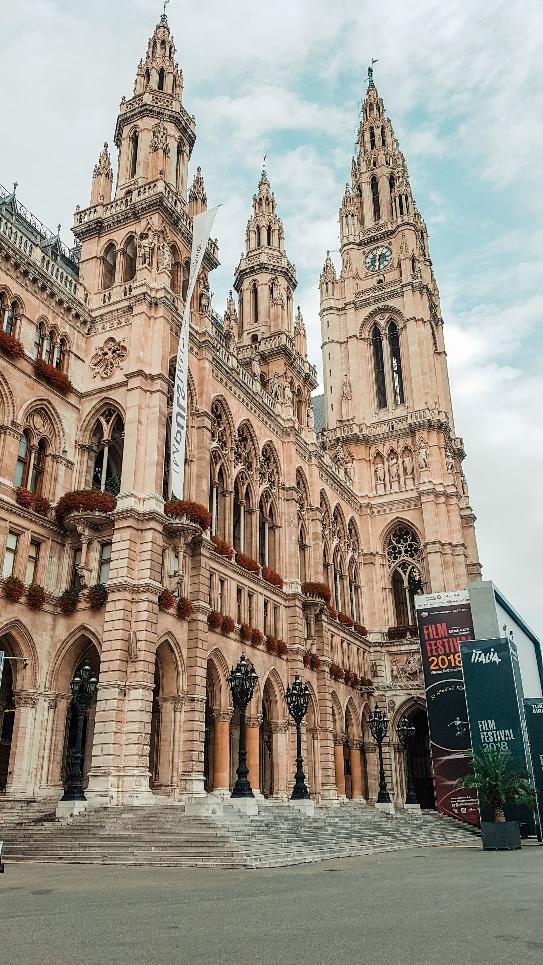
[255,362]
[205,301]
[310,417]
[346,397]
[423,457]
[166,253]
[145,249]
[449,461]
[407,463]
[379,473]
[393,469]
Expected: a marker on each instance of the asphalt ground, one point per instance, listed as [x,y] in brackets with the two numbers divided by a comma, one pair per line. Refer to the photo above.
[432,906]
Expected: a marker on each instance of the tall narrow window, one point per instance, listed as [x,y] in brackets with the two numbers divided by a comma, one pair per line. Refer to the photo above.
[129,266]
[32,562]
[75,580]
[36,476]
[147,77]
[400,202]
[23,457]
[269,235]
[109,265]
[375,199]
[372,138]
[9,318]
[179,167]
[254,303]
[161,79]
[379,366]
[60,353]
[383,137]
[396,363]
[9,555]
[105,562]
[134,144]
[39,339]
[239,605]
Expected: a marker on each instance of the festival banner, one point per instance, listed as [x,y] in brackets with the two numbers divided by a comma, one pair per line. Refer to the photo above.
[201,229]
[533,715]
[494,699]
[444,620]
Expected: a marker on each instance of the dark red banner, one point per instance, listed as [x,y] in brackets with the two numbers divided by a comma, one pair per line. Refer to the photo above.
[444,620]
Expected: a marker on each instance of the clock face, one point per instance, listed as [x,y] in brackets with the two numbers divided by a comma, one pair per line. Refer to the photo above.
[378,259]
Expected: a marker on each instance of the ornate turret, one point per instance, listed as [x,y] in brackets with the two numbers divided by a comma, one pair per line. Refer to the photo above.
[102,179]
[197,194]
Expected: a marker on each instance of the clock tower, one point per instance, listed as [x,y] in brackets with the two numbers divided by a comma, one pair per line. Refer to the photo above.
[388,413]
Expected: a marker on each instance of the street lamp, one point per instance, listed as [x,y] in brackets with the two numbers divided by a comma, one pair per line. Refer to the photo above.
[379,726]
[406,735]
[82,686]
[297,698]
[242,682]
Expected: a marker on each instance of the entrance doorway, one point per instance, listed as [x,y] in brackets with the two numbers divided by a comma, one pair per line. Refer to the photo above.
[421,761]
[7,717]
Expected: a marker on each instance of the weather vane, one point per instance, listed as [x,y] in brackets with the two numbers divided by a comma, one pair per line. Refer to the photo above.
[166,2]
[374,60]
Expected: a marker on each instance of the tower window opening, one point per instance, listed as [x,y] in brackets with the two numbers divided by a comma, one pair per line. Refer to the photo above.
[269,236]
[179,167]
[396,363]
[254,304]
[147,77]
[134,144]
[383,137]
[372,138]
[375,199]
[400,199]
[161,78]
[379,366]
[109,266]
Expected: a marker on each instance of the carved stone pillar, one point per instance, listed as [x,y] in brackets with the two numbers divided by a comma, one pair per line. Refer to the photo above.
[356,770]
[252,737]
[340,766]
[20,782]
[221,750]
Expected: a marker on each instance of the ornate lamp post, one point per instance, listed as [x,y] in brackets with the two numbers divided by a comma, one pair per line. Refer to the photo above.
[379,726]
[406,735]
[82,686]
[297,698]
[242,681]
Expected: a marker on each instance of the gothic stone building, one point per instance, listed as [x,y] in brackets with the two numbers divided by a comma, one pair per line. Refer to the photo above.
[361,489]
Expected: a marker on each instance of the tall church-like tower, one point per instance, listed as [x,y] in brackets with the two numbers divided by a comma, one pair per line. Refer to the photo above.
[382,335]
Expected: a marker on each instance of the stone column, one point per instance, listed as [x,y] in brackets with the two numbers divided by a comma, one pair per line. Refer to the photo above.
[356,770]
[340,766]
[221,750]
[20,762]
[252,736]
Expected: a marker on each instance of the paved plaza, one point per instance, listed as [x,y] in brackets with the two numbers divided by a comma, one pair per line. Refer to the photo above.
[434,906]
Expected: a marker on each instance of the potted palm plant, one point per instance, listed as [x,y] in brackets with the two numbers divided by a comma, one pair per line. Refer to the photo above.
[499,785]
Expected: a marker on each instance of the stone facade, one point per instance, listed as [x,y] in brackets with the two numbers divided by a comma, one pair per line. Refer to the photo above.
[374,504]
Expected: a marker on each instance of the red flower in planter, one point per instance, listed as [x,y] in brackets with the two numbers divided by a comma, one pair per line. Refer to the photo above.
[42,506]
[166,600]
[320,590]
[11,345]
[222,547]
[35,596]
[84,500]
[257,638]
[315,662]
[214,620]
[186,509]
[13,589]
[24,497]
[307,659]
[361,629]
[282,648]
[247,563]
[184,608]
[345,620]
[271,644]
[228,625]
[340,674]
[54,377]
[272,577]
[97,596]
[333,670]
[246,632]
[355,680]
[332,611]
[68,601]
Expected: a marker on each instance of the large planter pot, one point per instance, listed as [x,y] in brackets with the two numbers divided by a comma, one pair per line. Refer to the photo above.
[500,835]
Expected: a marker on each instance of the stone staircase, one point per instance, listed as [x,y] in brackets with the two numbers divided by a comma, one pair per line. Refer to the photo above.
[279,835]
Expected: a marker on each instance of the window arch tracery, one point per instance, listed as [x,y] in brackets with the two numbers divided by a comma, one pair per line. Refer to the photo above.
[404,558]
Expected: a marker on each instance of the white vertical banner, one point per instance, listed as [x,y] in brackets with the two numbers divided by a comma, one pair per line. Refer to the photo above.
[201,229]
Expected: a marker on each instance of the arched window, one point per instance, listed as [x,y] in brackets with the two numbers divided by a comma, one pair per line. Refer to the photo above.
[241,517]
[375,199]
[338,582]
[396,363]
[147,77]
[302,555]
[9,315]
[354,592]
[109,260]
[38,465]
[217,497]
[372,138]
[129,265]
[108,445]
[161,78]
[269,235]
[47,350]
[379,366]
[23,460]
[134,145]
[61,350]
[179,167]
[383,137]
[400,202]
[39,340]
[177,272]
[254,303]
[404,555]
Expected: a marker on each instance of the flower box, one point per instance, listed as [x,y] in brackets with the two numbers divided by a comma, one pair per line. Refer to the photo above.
[246,632]
[272,577]
[320,590]
[315,662]
[24,497]
[271,644]
[67,601]
[307,659]
[35,596]
[166,600]
[222,547]
[41,506]
[282,648]
[345,620]
[97,596]
[184,608]
[257,637]
[11,345]
[332,611]
[247,563]
[54,377]
[228,626]
[84,500]
[13,589]
[360,629]
[214,620]
[186,509]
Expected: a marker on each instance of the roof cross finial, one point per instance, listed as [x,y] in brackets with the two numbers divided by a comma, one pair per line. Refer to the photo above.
[374,60]
[15,186]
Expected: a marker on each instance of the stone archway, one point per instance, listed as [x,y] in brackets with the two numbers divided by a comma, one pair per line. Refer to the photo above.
[272,742]
[166,720]
[7,721]
[421,760]
[18,712]
[217,737]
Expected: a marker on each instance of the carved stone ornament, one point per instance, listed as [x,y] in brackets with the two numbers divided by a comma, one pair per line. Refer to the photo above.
[405,668]
[159,139]
[108,358]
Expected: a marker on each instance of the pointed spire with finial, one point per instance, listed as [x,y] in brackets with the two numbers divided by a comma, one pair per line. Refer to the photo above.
[197,194]
[102,178]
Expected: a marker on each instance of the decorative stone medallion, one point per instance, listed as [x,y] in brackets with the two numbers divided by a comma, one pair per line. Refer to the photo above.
[108,358]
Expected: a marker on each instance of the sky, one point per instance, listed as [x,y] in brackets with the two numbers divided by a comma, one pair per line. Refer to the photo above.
[462,83]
